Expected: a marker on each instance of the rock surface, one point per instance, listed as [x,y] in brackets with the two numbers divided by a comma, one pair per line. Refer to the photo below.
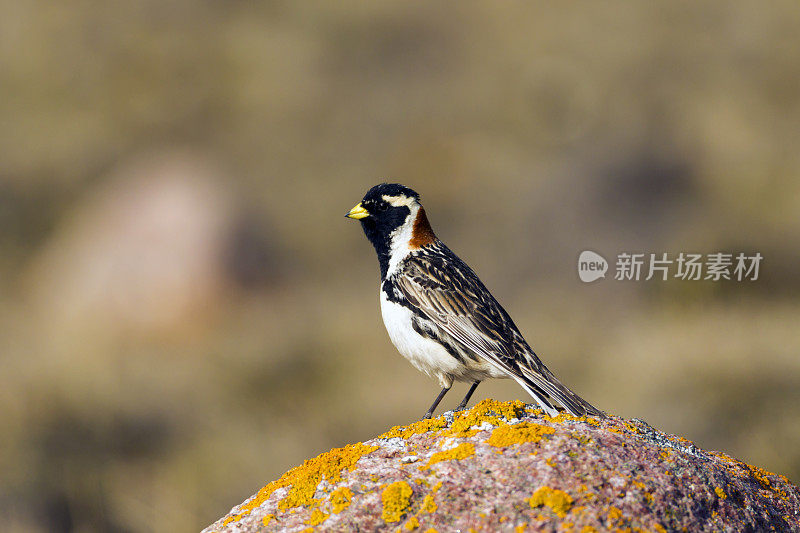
[509,467]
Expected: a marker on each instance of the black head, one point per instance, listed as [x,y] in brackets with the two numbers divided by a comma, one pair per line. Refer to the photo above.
[384,209]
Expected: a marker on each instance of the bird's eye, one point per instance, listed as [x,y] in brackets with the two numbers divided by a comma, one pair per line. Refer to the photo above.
[382,207]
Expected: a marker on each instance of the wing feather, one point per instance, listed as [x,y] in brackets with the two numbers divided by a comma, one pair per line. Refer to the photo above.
[446,291]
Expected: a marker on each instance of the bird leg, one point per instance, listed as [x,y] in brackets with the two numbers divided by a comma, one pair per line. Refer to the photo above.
[463,403]
[436,403]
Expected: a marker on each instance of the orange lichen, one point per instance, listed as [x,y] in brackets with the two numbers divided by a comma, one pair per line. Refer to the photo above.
[462,451]
[643,488]
[760,475]
[423,426]
[720,493]
[521,528]
[487,410]
[412,523]
[431,530]
[317,517]
[396,498]
[340,499]
[507,435]
[724,456]
[614,514]
[588,529]
[303,480]
[634,429]
[429,504]
[267,519]
[660,528]
[557,500]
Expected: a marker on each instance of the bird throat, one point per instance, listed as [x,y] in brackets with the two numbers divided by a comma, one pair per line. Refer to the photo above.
[393,239]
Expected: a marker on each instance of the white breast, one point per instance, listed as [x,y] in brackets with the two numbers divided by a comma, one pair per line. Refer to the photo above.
[426,355]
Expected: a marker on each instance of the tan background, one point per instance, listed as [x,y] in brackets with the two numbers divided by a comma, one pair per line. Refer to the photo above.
[185,313]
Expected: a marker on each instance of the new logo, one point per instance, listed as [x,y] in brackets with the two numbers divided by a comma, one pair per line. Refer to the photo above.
[591,266]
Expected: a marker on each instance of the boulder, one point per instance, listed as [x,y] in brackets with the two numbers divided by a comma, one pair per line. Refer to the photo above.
[505,466]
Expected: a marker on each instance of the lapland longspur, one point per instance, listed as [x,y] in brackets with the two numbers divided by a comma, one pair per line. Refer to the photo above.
[438,313]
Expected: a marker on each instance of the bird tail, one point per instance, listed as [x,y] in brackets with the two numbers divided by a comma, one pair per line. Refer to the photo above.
[544,383]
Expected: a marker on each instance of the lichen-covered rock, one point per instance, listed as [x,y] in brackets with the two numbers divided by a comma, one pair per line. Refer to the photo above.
[509,467]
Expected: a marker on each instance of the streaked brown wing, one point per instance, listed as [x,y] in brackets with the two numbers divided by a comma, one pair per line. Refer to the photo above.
[449,294]
[456,301]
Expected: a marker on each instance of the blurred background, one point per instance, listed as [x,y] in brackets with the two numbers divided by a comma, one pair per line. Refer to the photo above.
[185,313]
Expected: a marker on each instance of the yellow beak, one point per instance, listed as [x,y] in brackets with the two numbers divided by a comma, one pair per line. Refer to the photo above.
[358,212]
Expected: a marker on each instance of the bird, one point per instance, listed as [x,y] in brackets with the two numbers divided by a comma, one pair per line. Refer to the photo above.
[438,313]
